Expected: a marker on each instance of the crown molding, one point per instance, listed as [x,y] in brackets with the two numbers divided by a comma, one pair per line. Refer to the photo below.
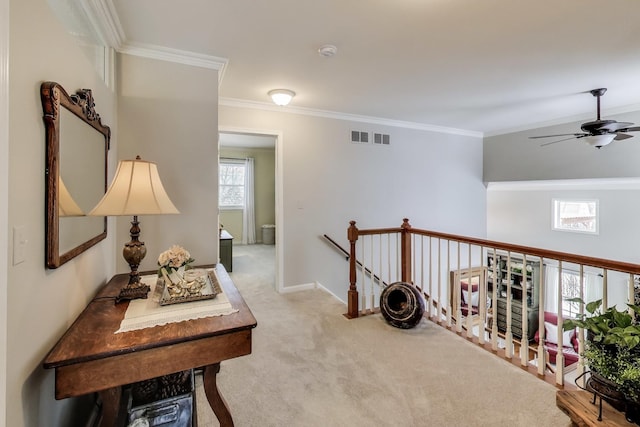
[176,55]
[567,184]
[103,17]
[268,106]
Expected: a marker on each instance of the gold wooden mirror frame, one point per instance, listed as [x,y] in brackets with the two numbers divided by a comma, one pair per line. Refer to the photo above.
[75,172]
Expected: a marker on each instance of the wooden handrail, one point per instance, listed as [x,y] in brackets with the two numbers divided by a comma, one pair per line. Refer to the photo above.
[608,264]
[347,256]
[529,250]
[337,246]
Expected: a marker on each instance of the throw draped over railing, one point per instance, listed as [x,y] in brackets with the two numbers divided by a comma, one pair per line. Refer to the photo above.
[509,299]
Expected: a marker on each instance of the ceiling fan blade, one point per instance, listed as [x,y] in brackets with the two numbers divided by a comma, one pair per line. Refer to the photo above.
[574,135]
[632,129]
[560,140]
[622,136]
[615,126]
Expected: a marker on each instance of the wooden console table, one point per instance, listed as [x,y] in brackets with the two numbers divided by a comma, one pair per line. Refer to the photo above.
[90,357]
[577,405]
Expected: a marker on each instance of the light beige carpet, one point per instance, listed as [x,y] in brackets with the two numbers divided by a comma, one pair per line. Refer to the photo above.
[312,367]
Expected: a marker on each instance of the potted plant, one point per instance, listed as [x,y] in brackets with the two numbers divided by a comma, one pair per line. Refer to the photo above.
[612,353]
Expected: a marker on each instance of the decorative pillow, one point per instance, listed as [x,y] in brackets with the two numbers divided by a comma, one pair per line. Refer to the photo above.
[475,297]
[551,331]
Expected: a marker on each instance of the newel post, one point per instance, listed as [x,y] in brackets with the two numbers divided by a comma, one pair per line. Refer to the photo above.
[405,250]
[352,296]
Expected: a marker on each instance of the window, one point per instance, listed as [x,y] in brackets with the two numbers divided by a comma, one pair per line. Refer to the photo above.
[570,289]
[231,185]
[575,215]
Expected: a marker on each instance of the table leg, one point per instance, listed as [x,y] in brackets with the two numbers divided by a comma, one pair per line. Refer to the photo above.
[216,401]
[110,406]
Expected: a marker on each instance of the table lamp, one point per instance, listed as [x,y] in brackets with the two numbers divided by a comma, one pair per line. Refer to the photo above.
[135,190]
[66,205]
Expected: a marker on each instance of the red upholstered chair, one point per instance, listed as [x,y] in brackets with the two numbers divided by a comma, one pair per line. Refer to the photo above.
[466,297]
[569,340]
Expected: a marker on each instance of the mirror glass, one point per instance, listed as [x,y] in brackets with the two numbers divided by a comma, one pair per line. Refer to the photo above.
[76,170]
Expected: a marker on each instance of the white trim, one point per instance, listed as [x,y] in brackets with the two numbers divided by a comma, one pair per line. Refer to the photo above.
[567,184]
[269,106]
[4,202]
[104,19]
[321,286]
[298,288]
[110,67]
[555,215]
[279,144]
[176,55]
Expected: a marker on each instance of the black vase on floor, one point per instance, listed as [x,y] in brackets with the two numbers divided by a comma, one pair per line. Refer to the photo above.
[402,305]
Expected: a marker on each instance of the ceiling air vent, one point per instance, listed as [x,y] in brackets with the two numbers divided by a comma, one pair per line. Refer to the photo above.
[358,137]
[381,138]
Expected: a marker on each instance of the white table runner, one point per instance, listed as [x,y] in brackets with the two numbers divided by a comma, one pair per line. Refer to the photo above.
[147,313]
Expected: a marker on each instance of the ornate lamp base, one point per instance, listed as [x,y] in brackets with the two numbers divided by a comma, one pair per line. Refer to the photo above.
[133,253]
[133,291]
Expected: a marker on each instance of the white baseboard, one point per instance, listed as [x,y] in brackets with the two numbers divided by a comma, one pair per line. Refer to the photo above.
[320,286]
[307,286]
[298,288]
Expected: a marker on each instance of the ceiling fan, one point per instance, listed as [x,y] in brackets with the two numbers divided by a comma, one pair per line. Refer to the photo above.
[597,133]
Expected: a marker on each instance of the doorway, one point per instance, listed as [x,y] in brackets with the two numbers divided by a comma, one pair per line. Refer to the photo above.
[250,216]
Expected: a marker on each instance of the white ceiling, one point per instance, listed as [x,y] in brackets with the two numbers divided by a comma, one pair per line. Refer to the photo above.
[491,66]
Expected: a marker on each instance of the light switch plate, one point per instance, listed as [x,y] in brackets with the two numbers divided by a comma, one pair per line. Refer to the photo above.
[19,244]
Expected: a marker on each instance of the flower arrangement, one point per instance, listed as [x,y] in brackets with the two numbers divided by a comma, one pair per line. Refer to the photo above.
[174,258]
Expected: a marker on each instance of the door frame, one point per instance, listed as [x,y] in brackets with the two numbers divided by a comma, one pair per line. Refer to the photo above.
[279,137]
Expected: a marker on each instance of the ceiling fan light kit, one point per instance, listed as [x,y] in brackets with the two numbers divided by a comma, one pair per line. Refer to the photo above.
[597,133]
[599,140]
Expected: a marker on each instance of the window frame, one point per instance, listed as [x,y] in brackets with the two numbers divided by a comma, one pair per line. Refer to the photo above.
[221,164]
[555,215]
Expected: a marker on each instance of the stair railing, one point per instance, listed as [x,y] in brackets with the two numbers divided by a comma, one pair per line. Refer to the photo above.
[440,263]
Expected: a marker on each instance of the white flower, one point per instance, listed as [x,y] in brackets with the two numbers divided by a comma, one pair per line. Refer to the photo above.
[175,257]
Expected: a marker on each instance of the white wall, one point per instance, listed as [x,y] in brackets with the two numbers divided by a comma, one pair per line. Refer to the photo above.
[520,213]
[41,303]
[433,179]
[4,200]
[168,114]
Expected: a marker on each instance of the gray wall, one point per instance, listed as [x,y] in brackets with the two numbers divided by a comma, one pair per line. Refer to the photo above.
[168,114]
[515,157]
[43,303]
[433,179]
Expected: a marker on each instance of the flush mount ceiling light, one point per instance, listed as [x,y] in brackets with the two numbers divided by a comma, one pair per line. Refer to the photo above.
[281,96]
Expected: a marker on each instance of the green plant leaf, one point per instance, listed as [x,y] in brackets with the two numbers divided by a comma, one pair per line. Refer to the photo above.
[593,306]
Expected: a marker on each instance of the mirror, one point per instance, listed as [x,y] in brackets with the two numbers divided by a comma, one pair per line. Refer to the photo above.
[75,173]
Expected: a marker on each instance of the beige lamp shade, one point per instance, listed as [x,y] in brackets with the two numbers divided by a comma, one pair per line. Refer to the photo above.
[135,190]
[66,205]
